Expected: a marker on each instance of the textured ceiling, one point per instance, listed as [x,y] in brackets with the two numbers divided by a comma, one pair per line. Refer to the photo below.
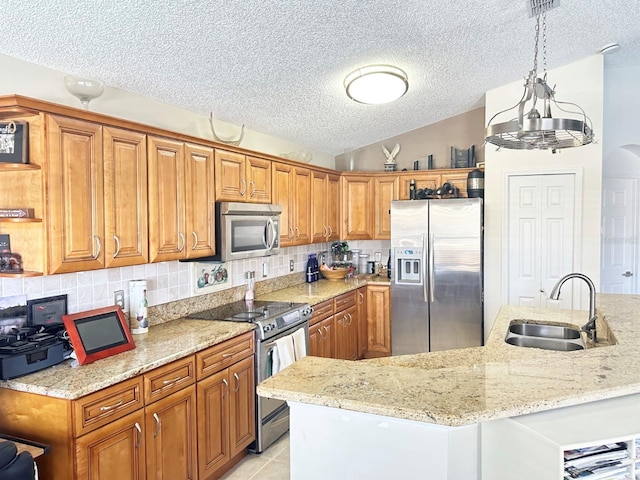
[278,66]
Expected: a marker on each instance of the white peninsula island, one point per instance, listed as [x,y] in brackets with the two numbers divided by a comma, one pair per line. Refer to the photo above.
[469,413]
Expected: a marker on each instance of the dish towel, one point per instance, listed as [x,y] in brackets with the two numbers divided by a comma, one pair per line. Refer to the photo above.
[299,344]
[285,353]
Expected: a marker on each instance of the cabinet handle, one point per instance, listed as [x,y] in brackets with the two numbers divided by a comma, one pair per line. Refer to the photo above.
[290,233]
[235,375]
[138,435]
[195,240]
[361,296]
[230,354]
[117,240]
[226,384]
[158,425]
[330,231]
[181,237]
[253,190]
[325,231]
[97,239]
[173,380]
[106,408]
[297,233]
[244,183]
[350,318]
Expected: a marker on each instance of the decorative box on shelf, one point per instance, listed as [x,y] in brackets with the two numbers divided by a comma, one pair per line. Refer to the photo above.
[390,167]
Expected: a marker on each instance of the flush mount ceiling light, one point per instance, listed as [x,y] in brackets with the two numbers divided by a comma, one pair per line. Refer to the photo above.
[376,84]
[531,130]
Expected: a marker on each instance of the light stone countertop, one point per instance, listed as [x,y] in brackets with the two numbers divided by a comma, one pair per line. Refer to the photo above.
[466,386]
[162,344]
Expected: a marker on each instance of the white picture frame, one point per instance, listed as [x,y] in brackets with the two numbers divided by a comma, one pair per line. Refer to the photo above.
[210,277]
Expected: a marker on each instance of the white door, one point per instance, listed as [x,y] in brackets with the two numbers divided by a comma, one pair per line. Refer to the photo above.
[619,237]
[541,238]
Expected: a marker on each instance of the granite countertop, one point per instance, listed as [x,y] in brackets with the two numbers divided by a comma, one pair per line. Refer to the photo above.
[466,386]
[318,292]
[163,344]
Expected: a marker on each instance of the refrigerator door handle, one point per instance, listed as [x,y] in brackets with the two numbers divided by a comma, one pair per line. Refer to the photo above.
[432,276]
[424,270]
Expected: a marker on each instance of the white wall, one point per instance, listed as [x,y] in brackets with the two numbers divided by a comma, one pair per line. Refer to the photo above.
[582,83]
[30,80]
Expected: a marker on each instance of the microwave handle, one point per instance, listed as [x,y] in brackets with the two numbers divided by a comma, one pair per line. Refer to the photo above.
[272,229]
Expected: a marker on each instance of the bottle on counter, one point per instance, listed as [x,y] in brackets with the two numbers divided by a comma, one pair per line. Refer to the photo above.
[389,265]
[250,293]
[412,189]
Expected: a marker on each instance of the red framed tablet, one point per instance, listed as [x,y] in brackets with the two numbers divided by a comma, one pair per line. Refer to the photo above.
[98,333]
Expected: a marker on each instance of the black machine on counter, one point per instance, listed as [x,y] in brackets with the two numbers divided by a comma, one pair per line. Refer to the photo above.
[38,345]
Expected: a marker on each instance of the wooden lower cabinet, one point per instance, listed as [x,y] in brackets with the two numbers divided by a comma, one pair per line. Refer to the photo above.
[378,320]
[162,424]
[115,451]
[170,436]
[346,323]
[322,338]
[362,321]
[226,417]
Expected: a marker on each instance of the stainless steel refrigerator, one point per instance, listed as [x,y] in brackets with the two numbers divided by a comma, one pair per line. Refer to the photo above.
[436,286]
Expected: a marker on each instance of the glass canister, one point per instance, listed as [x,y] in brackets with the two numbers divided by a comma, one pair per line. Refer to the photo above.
[355,257]
[363,259]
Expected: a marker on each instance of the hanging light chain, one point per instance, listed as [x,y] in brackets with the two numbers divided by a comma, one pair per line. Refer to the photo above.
[544,43]
[535,48]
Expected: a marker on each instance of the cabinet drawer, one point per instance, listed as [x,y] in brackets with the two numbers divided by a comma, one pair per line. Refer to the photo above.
[345,300]
[165,380]
[220,356]
[105,406]
[321,311]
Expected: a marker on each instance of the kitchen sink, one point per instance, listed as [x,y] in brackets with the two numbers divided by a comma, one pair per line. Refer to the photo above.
[547,336]
[545,331]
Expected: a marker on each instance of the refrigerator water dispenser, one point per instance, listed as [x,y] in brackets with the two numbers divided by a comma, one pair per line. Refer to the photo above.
[408,266]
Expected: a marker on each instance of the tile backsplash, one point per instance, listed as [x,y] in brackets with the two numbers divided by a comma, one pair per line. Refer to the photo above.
[166,281]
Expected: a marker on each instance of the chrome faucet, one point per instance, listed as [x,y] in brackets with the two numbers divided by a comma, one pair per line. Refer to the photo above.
[590,326]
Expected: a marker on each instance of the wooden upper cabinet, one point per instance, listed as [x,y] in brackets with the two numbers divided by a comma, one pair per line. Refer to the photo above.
[292,191]
[422,180]
[258,173]
[302,205]
[231,180]
[357,207]
[167,229]
[434,179]
[385,190]
[325,196]
[241,178]
[125,198]
[200,201]
[458,179]
[75,196]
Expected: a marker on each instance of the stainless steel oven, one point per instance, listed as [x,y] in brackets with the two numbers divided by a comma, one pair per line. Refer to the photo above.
[273,321]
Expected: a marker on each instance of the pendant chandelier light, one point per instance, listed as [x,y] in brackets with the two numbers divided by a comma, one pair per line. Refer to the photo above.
[531,129]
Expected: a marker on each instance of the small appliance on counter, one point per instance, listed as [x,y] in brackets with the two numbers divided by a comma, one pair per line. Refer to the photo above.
[312,271]
[42,343]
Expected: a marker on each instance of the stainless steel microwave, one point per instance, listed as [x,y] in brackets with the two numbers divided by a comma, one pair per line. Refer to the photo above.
[245,230]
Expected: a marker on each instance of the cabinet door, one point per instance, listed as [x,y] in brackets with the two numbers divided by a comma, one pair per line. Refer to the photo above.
[346,334]
[115,451]
[423,180]
[125,198]
[213,423]
[75,197]
[171,436]
[333,207]
[166,200]
[200,200]
[258,173]
[282,191]
[242,405]
[385,190]
[231,182]
[321,338]
[357,208]
[458,179]
[302,206]
[378,320]
[319,229]
[362,322]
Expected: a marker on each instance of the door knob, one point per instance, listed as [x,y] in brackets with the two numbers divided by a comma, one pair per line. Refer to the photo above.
[627,274]
[542,290]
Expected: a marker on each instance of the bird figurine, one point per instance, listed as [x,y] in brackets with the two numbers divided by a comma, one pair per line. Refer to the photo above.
[391,156]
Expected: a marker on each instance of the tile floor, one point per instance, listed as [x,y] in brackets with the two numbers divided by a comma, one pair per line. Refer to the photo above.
[272,464]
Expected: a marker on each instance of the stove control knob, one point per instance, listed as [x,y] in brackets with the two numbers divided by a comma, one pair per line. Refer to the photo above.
[266,328]
[307,311]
